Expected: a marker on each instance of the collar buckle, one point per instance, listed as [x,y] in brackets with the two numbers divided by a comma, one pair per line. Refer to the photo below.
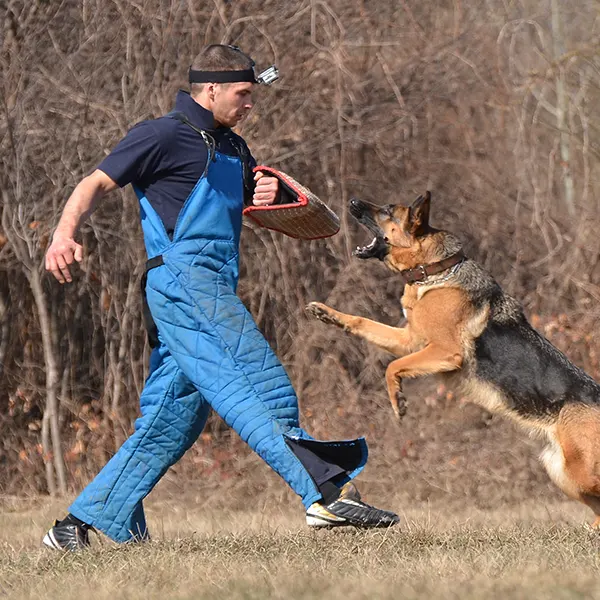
[415,274]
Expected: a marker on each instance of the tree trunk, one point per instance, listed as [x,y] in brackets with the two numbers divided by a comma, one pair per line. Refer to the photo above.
[561,108]
[50,421]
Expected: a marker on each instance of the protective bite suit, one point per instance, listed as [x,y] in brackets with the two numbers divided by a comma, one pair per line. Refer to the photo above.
[210,354]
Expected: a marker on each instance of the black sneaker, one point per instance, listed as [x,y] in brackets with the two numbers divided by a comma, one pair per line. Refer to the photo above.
[349,509]
[68,535]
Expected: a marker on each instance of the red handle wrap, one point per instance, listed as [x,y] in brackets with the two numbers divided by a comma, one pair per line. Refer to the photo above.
[302,215]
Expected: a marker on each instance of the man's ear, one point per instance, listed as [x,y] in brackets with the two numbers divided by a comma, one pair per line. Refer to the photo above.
[418,215]
[211,90]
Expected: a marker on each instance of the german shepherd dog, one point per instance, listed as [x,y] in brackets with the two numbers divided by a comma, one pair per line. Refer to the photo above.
[460,324]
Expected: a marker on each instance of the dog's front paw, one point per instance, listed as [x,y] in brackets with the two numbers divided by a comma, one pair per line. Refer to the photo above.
[322,312]
[399,405]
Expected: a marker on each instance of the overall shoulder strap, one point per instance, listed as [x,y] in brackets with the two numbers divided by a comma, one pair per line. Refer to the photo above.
[208,139]
[244,154]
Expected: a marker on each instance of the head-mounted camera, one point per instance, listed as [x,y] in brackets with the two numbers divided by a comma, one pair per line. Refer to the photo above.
[268,76]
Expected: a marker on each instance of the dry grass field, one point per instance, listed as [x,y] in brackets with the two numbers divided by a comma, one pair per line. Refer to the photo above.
[199,552]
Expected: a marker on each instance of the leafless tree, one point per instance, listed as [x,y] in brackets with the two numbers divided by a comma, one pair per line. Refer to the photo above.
[491,106]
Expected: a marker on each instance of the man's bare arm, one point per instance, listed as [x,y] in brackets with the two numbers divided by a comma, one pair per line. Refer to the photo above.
[80,205]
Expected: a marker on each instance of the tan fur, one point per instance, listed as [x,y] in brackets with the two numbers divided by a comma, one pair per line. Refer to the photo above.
[578,433]
[553,459]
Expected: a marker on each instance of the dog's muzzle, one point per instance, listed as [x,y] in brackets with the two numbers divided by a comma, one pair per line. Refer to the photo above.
[363,213]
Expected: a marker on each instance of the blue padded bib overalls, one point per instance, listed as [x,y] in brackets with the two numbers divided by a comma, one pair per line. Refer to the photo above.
[210,354]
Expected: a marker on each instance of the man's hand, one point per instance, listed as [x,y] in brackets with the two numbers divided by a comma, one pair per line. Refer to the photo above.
[64,249]
[61,253]
[266,189]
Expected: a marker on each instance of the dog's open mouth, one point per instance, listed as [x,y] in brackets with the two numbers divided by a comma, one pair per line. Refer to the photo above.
[378,247]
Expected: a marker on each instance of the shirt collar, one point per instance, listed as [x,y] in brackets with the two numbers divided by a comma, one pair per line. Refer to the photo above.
[198,115]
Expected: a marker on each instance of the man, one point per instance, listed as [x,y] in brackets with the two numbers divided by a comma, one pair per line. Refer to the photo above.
[192,175]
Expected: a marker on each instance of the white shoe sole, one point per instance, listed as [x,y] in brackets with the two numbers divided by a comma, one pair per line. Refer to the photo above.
[314,520]
[50,541]
[317,522]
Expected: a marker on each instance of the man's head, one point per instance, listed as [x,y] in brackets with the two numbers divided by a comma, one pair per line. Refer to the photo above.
[229,102]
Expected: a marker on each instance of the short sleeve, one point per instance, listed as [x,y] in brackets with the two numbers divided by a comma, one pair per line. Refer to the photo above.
[136,157]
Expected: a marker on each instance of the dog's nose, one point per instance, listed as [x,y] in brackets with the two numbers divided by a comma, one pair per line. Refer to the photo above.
[357,208]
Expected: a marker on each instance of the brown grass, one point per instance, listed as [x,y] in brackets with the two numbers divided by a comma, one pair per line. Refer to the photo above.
[531,552]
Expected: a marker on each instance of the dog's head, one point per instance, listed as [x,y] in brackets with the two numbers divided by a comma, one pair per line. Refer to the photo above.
[394,226]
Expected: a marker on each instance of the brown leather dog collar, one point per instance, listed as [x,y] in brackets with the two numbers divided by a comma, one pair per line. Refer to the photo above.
[422,272]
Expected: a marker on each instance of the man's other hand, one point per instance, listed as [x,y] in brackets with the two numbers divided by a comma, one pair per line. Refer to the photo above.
[61,253]
[266,189]
[64,249]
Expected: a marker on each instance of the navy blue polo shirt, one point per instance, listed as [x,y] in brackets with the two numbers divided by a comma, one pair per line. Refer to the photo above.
[165,158]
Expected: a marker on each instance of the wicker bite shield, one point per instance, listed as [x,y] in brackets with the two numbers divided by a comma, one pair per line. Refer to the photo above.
[299,214]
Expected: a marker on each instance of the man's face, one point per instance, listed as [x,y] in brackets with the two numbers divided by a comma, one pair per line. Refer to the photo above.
[232,102]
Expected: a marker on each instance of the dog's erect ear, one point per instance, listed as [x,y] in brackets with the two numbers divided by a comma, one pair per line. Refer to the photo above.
[418,216]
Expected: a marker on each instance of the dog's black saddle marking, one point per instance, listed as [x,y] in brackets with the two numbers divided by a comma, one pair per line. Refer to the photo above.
[536,378]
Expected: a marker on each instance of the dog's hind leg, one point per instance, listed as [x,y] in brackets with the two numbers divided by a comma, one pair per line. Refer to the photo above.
[594,503]
[395,340]
[434,358]
[578,434]
[553,459]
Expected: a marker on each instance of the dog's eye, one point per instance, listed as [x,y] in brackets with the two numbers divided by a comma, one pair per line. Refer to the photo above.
[386,239]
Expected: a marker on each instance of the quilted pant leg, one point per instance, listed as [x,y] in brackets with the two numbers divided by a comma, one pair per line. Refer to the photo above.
[216,343]
[173,414]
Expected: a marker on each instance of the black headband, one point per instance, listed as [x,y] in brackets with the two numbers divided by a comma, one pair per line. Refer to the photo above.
[222,76]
